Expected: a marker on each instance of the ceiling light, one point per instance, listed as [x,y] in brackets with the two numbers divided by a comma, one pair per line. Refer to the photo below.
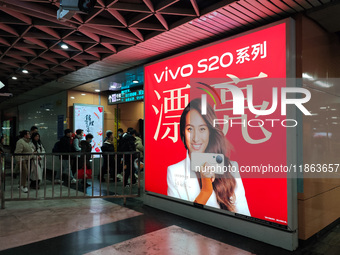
[323,107]
[14,78]
[333,109]
[72,97]
[64,46]
[83,94]
[97,90]
[307,76]
[24,71]
[334,117]
[135,81]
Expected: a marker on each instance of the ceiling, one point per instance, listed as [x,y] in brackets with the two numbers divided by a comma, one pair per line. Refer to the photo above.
[119,35]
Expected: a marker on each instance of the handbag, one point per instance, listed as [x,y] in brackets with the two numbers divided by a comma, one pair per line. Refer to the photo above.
[88,173]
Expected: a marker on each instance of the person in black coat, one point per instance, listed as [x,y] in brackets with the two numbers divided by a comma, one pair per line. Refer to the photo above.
[85,157]
[108,160]
[65,147]
[86,149]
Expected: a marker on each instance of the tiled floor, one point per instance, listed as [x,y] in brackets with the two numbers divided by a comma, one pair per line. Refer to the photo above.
[97,226]
[162,241]
[32,221]
[105,226]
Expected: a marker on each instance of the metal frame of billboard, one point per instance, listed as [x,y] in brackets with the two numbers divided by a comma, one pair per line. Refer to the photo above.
[258,229]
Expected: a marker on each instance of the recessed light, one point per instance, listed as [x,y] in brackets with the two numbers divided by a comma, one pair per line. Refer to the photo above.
[334,117]
[24,71]
[97,90]
[64,46]
[323,108]
[333,109]
[14,78]
[83,94]
[72,97]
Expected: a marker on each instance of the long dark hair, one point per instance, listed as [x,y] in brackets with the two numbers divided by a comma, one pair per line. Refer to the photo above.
[38,143]
[224,187]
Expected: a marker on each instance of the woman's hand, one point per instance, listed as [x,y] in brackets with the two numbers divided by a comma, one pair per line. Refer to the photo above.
[207,178]
[207,172]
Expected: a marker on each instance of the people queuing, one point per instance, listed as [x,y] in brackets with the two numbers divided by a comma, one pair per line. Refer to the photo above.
[29,142]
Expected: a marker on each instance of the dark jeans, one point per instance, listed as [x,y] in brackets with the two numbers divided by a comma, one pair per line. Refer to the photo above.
[128,170]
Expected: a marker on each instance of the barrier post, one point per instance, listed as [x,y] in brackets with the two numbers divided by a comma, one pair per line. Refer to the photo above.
[2,182]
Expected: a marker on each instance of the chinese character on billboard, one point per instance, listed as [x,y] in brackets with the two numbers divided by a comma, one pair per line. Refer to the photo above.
[90,118]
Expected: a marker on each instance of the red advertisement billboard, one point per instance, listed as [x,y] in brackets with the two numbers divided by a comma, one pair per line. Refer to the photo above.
[239,78]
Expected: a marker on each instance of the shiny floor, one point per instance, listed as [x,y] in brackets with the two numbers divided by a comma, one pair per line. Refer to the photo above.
[105,226]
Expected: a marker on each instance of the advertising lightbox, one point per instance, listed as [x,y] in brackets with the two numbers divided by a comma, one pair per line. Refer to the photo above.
[221,106]
[90,118]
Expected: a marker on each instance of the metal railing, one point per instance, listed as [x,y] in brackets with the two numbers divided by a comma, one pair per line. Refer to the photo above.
[43,168]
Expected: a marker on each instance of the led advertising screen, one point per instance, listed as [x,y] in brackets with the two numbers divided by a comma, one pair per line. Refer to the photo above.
[215,128]
[90,118]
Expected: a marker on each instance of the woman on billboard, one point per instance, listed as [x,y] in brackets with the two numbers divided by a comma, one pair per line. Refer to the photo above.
[207,147]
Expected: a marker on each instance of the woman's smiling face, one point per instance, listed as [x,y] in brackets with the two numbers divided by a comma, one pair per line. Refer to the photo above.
[196,132]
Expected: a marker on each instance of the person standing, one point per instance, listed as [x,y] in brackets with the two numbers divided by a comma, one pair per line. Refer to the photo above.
[34,129]
[120,133]
[86,149]
[23,146]
[37,161]
[108,160]
[76,148]
[76,140]
[128,145]
[65,147]
[139,144]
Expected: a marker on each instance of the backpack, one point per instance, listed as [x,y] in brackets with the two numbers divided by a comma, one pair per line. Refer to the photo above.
[56,147]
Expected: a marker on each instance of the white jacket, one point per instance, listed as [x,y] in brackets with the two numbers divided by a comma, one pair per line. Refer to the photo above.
[180,185]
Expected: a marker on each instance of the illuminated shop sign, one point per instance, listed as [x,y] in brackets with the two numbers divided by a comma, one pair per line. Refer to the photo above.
[126,96]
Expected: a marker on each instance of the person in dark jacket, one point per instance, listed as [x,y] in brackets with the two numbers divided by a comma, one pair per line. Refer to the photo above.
[65,147]
[108,160]
[86,149]
[128,145]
